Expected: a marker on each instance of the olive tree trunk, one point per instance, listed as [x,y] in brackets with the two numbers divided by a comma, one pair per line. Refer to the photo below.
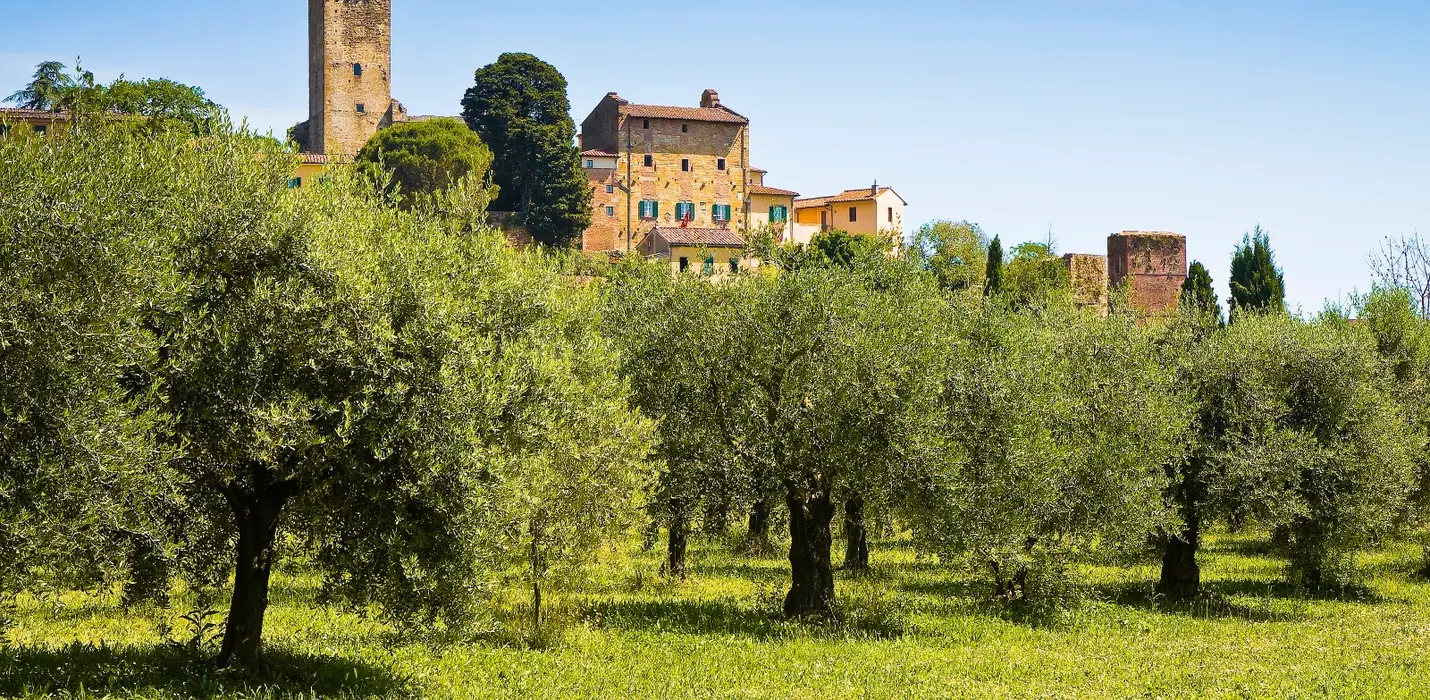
[257,519]
[1181,576]
[676,542]
[811,573]
[856,534]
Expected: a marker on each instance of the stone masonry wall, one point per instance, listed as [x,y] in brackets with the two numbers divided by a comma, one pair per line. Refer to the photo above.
[1088,277]
[1153,266]
[343,33]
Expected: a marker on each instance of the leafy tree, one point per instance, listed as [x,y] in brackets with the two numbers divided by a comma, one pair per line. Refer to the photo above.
[165,103]
[1034,275]
[394,393]
[425,157]
[520,109]
[955,251]
[993,271]
[46,88]
[1198,292]
[1257,284]
[1055,430]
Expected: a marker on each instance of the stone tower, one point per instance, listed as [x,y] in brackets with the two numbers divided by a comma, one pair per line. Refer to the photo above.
[349,74]
[1153,266]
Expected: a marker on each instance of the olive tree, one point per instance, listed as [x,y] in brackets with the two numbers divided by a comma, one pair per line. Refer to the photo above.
[1055,430]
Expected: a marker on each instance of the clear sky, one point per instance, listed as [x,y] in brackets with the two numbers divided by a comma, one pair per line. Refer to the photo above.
[1202,117]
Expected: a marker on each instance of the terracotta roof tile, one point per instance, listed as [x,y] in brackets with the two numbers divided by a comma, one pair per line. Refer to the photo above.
[323,159]
[32,113]
[810,202]
[689,114]
[597,153]
[862,194]
[709,237]
[765,189]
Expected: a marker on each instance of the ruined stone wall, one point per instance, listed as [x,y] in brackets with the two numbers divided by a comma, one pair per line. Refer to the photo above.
[1152,265]
[1087,275]
[345,108]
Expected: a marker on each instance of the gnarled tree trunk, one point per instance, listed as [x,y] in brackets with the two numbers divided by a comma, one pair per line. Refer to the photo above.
[811,573]
[676,542]
[257,519]
[1181,576]
[757,532]
[856,535]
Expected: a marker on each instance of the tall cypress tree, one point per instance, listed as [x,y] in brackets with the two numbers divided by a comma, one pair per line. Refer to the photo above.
[1199,293]
[994,275]
[1257,284]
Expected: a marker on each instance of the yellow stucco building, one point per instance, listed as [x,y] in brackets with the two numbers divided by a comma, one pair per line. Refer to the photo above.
[873,211]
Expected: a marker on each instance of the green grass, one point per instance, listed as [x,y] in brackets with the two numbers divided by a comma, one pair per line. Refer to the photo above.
[913,630]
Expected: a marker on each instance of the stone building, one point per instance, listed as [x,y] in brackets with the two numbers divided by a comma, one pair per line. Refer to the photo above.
[660,166]
[349,76]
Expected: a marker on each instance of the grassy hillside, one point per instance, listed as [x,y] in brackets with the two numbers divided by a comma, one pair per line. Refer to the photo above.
[911,630]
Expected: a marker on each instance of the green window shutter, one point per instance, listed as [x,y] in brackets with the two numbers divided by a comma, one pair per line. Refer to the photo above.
[655,210]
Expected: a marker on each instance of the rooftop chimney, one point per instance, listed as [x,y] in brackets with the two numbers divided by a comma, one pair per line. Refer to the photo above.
[874,191]
[709,98]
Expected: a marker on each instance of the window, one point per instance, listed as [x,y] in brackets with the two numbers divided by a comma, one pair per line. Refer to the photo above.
[649,161]
[779,214]
[720,212]
[357,69]
[41,129]
[362,109]
[853,214]
[610,189]
[685,211]
[610,211]
[295,183]
[891,215]
[719,163]
[649,209]
[684,165]
[645,124]
[590,164]
[4,129]
[684,264]
[684,128]
[709,267]
[734,265]
[824,221]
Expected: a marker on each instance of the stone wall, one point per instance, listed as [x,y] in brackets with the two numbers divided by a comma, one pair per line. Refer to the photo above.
[341,34]
[1152,266]
[1087,275]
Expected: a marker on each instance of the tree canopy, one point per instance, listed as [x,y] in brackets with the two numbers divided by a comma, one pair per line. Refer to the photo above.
[425,157]
[1257,284]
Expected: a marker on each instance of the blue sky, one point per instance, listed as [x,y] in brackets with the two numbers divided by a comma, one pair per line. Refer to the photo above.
[1204,118]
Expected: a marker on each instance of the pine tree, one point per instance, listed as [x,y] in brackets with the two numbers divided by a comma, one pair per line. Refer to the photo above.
[994,275]
[1199,293]
[1257,284]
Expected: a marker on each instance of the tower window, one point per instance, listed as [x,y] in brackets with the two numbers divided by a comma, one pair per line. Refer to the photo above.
[684,128]
[649,161]
[610,189]
[685,165]
[719,163]
[362,108]
[357,69]
[645,123]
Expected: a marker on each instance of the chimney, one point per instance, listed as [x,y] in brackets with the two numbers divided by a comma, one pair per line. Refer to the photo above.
[709,98]
[874,191]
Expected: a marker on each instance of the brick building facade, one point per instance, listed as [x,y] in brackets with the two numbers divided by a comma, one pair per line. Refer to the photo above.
[349,76]
[1152,265]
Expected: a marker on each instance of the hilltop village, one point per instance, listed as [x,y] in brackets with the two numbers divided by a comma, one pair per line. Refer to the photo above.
[677,183]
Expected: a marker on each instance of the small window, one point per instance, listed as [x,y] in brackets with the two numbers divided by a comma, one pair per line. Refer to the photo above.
[649,161]
[685,165]
[4,129]
[610,211]
[824,218]
[295,183]
[610,189]
[685,211]
[720,212]
[41,129]
[719,163]
[357,69]
[362,109]
[649,209]
[853,214]
[645,124]
[709,267]
[684,264]
[684,128]
[590,164]
[779,214]
[891,215]
[734,265]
